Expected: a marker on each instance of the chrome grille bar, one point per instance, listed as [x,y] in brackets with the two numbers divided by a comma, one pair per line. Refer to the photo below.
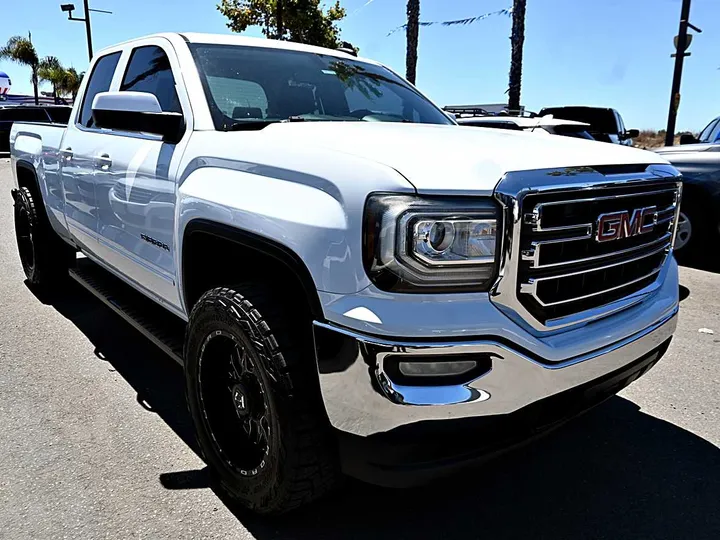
[534,281]
[534,254]
[609,197]
[604,291]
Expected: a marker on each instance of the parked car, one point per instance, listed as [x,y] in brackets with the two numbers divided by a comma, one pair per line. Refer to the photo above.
[29,113]
[351,281]
[606,125]
[699,223]
[541,125]
[709,135]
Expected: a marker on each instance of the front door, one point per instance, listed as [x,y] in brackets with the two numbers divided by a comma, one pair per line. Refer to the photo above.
[134,187]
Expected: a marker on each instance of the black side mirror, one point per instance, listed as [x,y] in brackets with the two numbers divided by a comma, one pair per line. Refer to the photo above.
[632,133]
[688,138]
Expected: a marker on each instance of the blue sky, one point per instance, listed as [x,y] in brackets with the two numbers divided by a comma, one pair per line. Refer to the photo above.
[591,52]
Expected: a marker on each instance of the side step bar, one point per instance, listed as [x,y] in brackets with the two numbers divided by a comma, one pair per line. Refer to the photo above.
[159,325]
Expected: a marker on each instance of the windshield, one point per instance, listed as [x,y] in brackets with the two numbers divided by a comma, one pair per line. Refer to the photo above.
[254,85]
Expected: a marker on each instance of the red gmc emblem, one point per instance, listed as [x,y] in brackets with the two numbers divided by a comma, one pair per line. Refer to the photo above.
[619,225]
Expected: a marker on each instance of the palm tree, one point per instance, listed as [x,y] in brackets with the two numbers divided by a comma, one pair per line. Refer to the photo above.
[21,50]
[413,29]
[50,69]
[517,40]
[71,84]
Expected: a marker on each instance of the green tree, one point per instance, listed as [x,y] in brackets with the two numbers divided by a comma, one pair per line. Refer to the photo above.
[412,32]
[302,21]
[517,40]
[71,82]
[21,50]
[51,70]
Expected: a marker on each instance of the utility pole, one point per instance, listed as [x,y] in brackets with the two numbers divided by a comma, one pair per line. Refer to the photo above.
[681,44]
[517,41]
[87,29]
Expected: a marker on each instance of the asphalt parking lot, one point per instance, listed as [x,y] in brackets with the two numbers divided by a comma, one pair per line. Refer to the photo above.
[96,443]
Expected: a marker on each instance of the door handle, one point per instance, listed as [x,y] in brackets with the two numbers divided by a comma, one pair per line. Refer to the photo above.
[67,154]
[103,161]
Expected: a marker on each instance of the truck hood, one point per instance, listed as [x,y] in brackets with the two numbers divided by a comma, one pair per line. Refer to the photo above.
[453,159]
[688,149]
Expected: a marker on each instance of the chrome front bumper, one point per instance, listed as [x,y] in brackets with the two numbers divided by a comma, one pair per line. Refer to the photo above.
[360,398]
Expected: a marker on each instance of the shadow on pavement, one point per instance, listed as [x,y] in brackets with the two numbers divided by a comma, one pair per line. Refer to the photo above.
[708,263]
[684,292]
[615,473]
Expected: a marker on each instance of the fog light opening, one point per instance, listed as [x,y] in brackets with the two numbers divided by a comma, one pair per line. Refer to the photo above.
[436,369]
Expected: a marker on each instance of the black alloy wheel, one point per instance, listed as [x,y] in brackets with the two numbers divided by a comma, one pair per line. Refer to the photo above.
[235,403]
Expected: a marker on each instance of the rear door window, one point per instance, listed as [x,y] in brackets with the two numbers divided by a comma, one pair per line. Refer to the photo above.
[149,71]
[99,81]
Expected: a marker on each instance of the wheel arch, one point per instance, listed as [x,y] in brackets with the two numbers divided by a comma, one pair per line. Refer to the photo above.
[26,176]
[202,237]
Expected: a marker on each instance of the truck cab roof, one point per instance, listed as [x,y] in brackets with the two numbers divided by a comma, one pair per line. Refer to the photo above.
[233,39]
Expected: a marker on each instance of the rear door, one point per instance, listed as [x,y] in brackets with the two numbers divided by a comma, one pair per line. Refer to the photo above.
[135,186]
[78,151]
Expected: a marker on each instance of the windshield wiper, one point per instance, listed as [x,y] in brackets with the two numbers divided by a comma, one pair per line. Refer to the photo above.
[297,119]
[258,124]
[250,125]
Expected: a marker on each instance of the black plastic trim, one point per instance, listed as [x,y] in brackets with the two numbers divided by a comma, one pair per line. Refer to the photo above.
[266,246]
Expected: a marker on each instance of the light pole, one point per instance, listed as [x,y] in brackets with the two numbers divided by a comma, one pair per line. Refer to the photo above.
[682,41]
[70,8]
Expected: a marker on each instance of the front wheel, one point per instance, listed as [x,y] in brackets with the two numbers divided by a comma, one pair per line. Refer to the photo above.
[255,402]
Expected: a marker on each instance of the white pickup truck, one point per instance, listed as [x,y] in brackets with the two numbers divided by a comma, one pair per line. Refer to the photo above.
[351,281]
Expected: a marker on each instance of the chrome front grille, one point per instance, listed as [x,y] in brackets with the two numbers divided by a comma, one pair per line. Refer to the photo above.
[564,268]
[583,243]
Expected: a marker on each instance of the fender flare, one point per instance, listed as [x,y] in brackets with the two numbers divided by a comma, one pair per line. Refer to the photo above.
[26,165]
[252,241]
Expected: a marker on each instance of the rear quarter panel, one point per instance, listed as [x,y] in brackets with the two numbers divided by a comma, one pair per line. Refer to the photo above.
[36,147]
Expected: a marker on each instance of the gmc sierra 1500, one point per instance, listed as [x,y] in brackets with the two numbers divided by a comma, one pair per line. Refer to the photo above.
[351,281]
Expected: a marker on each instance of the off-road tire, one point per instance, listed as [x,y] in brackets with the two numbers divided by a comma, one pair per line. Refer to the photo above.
[44,256]
[300,463]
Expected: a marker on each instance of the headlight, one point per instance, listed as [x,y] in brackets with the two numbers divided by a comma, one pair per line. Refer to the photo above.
[414,244]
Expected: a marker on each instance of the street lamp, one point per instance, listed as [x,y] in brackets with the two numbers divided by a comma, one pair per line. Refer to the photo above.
[69,8]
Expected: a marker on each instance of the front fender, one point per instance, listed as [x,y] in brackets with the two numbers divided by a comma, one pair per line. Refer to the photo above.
[311,222]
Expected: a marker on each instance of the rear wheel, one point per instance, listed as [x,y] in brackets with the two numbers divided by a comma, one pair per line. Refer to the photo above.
[44,256]
[255,402]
